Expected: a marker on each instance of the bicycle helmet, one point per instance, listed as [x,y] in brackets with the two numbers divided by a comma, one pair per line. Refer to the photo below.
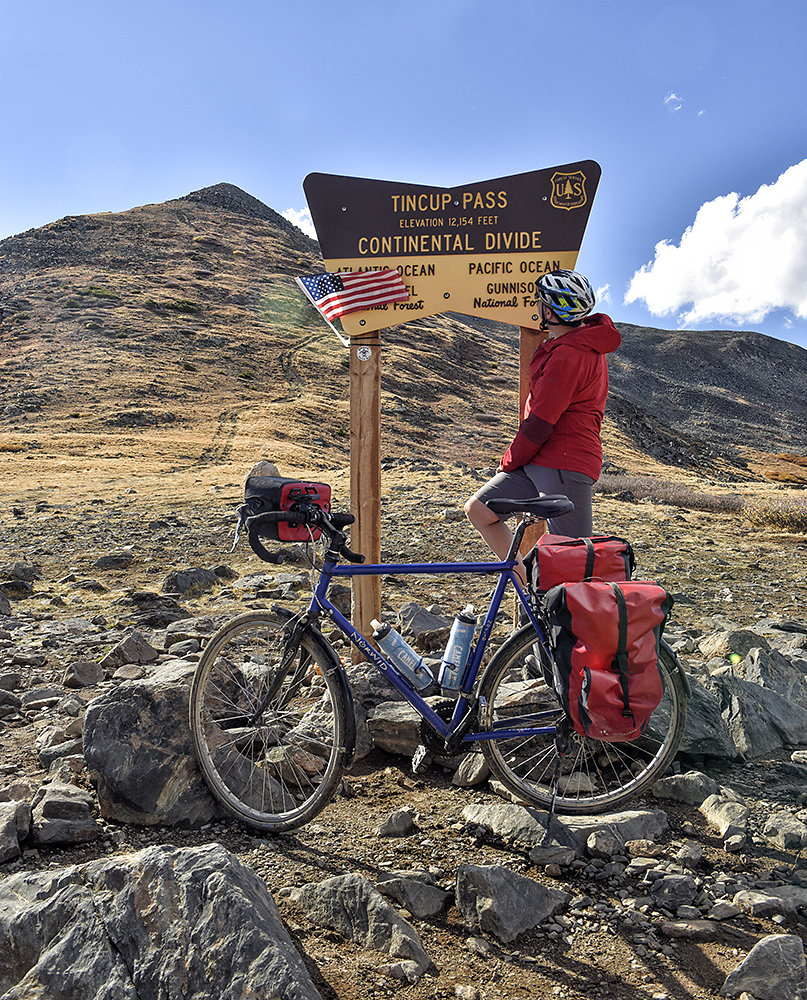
[567,293]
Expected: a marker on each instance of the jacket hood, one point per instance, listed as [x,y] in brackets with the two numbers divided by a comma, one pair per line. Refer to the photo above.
[598,333]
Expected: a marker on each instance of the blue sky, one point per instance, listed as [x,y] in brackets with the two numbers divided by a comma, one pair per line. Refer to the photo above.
[695,111]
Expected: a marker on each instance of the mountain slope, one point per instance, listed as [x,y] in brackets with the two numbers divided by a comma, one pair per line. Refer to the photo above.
[172,338]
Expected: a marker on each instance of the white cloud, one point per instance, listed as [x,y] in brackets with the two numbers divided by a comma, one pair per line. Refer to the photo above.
[739,260]
[673,102]
[603,294]
[301,218]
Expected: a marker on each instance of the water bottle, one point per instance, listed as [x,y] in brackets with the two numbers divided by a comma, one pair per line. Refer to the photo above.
[408,662]
[456,655]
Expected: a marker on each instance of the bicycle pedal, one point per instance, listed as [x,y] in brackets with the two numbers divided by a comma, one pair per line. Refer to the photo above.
[421,760]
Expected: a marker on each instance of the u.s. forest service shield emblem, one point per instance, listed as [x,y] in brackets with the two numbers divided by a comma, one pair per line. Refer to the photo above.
[568,190]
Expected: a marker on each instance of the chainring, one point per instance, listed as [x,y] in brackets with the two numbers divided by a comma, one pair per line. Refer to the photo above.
[434,743]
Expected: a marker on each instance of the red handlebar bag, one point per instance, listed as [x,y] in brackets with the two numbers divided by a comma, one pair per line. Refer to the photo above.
[274,493]
[557,559]
[605,638]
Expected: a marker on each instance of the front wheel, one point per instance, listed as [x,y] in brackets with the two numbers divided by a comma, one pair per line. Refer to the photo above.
[594,776]
[271,748]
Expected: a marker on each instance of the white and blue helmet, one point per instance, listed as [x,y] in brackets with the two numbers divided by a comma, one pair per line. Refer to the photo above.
[567,293]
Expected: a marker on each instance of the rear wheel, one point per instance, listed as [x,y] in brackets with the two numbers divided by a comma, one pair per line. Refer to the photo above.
[272,750]
[594,776]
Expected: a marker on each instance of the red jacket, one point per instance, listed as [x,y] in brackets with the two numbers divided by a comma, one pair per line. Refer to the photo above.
[564,408]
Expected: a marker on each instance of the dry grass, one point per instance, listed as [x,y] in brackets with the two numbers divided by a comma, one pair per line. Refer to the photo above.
[786,468]
[784,514]
[680,494]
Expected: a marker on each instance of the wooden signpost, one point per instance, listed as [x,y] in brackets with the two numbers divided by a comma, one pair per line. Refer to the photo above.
[475,249]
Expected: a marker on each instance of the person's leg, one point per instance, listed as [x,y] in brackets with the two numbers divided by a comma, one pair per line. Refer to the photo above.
[574,485]
[498,537]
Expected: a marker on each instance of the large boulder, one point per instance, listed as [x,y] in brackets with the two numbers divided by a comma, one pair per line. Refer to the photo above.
[774,969]
[166,922]
[138,748]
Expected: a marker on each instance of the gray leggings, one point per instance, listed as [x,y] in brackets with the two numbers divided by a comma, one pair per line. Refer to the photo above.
[531,480]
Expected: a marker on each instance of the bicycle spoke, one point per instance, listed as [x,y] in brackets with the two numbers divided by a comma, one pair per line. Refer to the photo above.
[593,775]
[271,759]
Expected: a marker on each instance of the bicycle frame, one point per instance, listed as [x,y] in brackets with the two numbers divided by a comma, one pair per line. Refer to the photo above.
[463,715]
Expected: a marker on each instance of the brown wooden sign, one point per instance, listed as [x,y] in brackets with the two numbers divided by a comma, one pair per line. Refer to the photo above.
[476,249]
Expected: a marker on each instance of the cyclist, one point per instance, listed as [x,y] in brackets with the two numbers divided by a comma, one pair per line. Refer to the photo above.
[557,448]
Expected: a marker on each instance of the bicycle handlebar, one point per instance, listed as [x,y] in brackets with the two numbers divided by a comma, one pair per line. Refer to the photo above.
[310,515]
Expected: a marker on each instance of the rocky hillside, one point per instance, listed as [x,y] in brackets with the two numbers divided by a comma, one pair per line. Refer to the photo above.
[183,319]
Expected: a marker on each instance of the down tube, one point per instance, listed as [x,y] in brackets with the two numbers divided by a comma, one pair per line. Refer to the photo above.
[381,665]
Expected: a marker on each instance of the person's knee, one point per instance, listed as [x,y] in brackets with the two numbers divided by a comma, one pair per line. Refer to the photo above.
[478,514]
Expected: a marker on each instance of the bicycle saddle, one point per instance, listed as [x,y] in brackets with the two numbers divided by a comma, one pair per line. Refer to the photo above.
[546,506]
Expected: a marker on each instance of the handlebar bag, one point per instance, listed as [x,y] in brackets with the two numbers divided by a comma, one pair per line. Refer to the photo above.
[275,493]
[605,638]
[557,559]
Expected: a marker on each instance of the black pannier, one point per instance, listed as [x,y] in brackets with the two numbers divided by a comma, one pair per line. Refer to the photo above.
[273,493]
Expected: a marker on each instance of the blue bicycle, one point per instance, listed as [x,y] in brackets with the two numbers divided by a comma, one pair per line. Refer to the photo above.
[271,710]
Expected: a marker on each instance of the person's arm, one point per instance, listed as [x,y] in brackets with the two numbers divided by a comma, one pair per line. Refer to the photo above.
[532,434]
[550,394]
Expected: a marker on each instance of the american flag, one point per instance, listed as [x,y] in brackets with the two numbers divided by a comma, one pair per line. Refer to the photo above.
[351,291]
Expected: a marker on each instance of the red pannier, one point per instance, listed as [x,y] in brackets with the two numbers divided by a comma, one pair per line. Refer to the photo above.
[265,493]
[557,559]
[605,637]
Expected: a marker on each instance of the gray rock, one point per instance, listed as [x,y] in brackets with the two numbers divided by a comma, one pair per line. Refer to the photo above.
[354,908]
[414,620]
[162,923]
[138,749]
[692,787]
[758,719]
[114,560]
[692,929]
[133,649]
[774,969]
[775,672]
[690,855]
[15,823]
[416,891]
[22,571]
[729,816]
[706,732]
[68,748]
[521,826]
[9,680]
[526,827]
[787,832]
[62,814]
[395,727]
[400,823]
[544,855]
[502,903]
[473,771]
[672,891]
[83,673]
[724,643]
[190,581]
[604,844]
[782,900]
[723,911]
[41,697]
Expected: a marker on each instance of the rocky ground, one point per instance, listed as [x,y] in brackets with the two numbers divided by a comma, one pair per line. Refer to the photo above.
[76,569]
[150,358]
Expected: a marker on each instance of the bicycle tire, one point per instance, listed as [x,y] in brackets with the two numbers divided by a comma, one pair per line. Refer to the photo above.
[595,776]
[277,771]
